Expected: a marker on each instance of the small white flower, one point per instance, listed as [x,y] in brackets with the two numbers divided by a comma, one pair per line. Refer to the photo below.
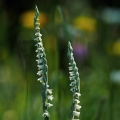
[37,24]
[38,34]
[50,97]
[49,105]
[75,113]
[73,89]
[40,72]
[71,73]
[37,39]
[76,95]
[40,66]
[36,50]
[38,55]
[40,79]
[39,60]
[49,91]
[45,114]
[77,107]
[73,83]
[76,101]
[72,77]
[40,49]
[70,68]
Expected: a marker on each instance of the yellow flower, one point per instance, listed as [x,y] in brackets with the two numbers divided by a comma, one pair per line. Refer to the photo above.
[114,48]
[27,19]
[85,23]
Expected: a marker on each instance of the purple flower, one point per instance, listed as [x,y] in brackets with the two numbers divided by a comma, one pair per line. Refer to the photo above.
[80,50]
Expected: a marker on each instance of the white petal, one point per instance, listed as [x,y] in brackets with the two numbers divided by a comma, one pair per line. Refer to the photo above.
[70,68]
[40,79]
[37,38]
[38,55]
[37,28]
[36,51]
[40,72]
[49,91]
[75,113]
[39,61]
[40,66]
[73,83]
[40,43]
[49,105]
[72,78]
[76,95]
[40,48]
[77,107]
[37,23]
[76,101]
[71,73]
[50,97]
[45,114]
[73,89]
[38,34]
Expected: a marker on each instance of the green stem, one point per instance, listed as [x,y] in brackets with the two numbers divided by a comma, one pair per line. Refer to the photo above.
[62,14]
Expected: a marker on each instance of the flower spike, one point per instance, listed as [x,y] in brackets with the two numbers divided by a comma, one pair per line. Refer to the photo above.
[42,67]
[75,84]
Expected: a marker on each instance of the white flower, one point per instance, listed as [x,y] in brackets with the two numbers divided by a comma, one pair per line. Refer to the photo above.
[37,39]
[76,101]
[71,73]
[49,91]
[76,95]
[72,77]
[73,83]
[39,60]
[37,23]
[40,79]
[77,107]
[40,43]
[70,68]
[38,34]
[40,66]
[50,97]
[73,89]
[40,72]
[75,113]
[45,114]
[49,105]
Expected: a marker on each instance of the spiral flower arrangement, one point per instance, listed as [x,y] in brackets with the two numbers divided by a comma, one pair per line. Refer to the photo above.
[42,68]
[75,85]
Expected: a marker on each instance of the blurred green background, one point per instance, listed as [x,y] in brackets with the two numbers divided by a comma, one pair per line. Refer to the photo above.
[92,26]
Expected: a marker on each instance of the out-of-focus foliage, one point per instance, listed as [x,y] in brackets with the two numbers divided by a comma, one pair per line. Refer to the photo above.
[94,32]
[114,48]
